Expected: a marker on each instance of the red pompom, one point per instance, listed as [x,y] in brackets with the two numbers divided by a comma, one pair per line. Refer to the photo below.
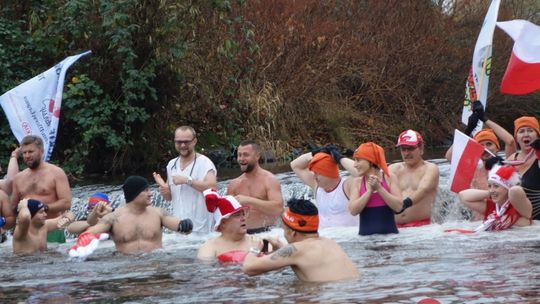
[506,172]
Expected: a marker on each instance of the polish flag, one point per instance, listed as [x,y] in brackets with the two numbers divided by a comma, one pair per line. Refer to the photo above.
[522,74]
[466,153]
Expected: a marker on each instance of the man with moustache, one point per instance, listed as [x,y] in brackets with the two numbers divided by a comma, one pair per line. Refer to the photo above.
[417,179]
[188,175]
[256,188]
[43,182]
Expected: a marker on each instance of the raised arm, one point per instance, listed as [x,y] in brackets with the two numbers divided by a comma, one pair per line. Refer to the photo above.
[505,136]
[60,222]
[23,220]
[474,199]
[175,224]
[164,187]
[300,168]
[12,170]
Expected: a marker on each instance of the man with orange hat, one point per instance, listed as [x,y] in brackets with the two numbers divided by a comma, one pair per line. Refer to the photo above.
[417,179]
[257,188]
[319,170]
[312,258]
[233,243]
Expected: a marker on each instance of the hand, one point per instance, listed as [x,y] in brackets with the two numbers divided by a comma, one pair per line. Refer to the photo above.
[374,182]
[101,209]
[478,109]
[185,226]
[471,125]
[335,153]
[179,179]
[490,163]
[536,144]
[320,150]
[274,242]
[22,204]
[86,244]
[159,180]
[16,153]
[66,219]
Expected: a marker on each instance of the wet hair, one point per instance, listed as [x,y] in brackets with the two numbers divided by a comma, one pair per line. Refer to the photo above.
[253,143]
[186,128]
[302,206]
[32,139]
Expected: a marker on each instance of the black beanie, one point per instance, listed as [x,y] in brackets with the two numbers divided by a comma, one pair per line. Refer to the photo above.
[34,206]
[133,186]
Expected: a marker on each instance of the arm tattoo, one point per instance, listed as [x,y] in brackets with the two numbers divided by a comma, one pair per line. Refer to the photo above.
[110,220]
[284,252]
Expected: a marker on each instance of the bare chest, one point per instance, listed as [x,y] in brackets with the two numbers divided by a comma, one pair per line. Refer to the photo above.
[38,184]
[254,188]
[130,228]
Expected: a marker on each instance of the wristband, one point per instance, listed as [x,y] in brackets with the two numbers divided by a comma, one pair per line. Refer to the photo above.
[407,202]
[255,251]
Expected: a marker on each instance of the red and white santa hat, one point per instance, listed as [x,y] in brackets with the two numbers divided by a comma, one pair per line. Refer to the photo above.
[222,206]
[506,176]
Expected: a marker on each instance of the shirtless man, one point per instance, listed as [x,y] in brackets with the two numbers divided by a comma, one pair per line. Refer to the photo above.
[417,179]
[43,182]
[233,244]
[256,188]
[319,170]
[30,234]
[135,227]
[188,175]
[312,258]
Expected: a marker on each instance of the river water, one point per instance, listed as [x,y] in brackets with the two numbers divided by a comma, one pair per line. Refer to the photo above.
[415,264]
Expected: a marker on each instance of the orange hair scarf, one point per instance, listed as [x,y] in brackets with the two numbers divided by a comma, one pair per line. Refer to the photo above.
[373,153]
[324,165]
[299,222]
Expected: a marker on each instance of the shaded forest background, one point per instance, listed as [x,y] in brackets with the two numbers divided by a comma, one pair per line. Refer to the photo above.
[283,72]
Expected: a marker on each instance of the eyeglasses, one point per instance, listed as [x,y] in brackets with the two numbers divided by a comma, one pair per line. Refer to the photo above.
[183,142]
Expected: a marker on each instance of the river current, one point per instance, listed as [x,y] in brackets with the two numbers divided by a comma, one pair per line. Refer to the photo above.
[418,263]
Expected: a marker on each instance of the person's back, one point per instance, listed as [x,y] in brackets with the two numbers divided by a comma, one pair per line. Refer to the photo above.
[319,258]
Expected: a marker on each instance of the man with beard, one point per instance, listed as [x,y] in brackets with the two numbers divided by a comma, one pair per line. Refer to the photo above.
[417,179]
[256,188]
[43,182]
[188,175]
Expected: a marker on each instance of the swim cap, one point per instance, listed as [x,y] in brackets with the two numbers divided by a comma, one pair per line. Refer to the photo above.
[373,153]
[409,138]
[506,176]
[526,121]
[133,186]
[489,135]
[300,222]
[35,205]
[324,165]
[96,198]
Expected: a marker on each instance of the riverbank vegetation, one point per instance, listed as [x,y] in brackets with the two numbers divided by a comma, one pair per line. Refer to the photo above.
[280,71]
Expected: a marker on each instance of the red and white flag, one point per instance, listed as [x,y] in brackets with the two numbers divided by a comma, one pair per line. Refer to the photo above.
[33,107]
[466,153]
[476,86]
[522,74]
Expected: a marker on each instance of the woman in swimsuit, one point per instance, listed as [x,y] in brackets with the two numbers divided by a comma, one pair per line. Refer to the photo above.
[374,195]
[526,131]
[504,204]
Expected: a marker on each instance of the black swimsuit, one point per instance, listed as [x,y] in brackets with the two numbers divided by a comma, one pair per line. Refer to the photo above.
[530,181]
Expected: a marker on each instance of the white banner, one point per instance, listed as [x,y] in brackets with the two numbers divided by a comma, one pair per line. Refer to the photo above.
[476,86]
[33,107]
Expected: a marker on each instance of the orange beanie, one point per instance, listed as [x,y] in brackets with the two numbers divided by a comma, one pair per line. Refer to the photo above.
[526,121]
[373,153]
[489,135]
[324,165]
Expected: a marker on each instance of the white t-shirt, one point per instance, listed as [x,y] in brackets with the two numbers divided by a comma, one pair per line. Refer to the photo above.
[186,201]
[333,208]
